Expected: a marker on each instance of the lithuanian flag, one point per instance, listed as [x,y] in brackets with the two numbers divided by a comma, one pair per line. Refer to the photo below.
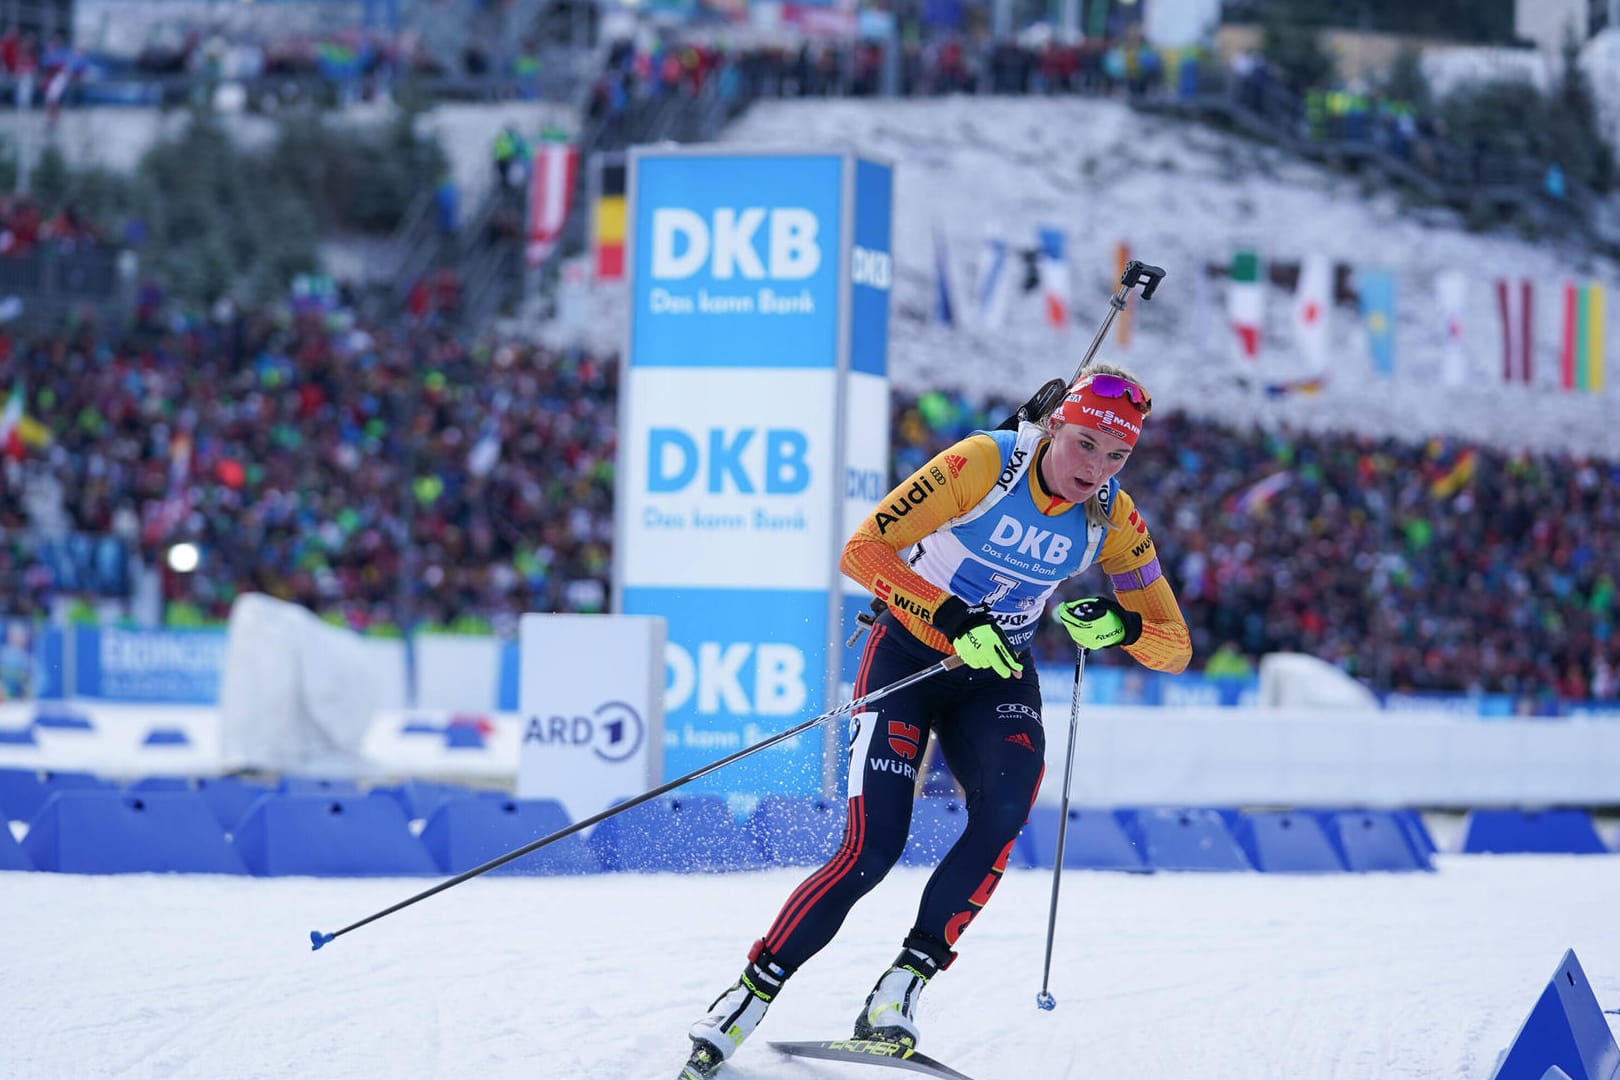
[1583,337]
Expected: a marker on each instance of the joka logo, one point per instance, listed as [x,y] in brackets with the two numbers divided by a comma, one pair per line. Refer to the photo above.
[683,243]
[1042,544]
[1004,481]
[674,460]
[1020,739]
[614,731]
[912,496]
[955,463]
[1136,519]
[905,739]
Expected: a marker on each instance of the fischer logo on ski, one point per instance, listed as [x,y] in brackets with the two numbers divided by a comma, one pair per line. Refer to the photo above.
[872,1052]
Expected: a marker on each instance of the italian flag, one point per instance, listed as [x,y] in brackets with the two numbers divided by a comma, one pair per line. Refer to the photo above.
[1246,303]
[11,424]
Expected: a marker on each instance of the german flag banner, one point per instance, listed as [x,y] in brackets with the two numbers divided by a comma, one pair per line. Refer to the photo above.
[607,216]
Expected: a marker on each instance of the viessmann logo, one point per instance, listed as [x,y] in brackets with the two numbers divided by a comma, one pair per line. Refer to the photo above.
[1107,417]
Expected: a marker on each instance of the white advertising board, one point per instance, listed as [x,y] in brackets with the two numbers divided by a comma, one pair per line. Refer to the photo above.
[591,693]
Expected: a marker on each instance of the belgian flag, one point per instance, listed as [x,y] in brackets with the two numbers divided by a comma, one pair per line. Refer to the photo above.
[607,218]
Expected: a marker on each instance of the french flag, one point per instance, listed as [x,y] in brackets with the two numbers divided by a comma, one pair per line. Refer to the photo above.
[1053,264]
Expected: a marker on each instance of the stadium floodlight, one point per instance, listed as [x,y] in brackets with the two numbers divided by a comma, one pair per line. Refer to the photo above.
[184,557]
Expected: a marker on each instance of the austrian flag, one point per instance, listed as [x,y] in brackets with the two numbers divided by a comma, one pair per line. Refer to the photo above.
[551,193]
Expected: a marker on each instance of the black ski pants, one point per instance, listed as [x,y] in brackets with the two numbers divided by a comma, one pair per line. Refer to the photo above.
[990,734]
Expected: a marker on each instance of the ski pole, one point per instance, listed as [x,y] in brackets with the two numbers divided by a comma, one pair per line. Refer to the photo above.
[317,938]
[1044,999]
[1136,273]
[1048,397]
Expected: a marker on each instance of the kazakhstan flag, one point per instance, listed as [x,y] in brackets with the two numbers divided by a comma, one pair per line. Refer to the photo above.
[1377,291]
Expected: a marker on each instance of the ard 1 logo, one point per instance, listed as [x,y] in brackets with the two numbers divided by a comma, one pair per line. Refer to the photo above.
[684,243]
[745,460]
[613,732]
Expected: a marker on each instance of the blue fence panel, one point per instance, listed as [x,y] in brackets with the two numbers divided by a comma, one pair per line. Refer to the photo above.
[129,832]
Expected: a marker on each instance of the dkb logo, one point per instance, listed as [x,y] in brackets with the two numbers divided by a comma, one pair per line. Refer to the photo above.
[777,467]
[714,680]
[614,731]
[683,243]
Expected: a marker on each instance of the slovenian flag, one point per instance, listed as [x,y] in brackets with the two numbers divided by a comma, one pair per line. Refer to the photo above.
[1246,304]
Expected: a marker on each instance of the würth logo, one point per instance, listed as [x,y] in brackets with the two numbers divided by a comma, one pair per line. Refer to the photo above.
[1136,519]
[1020,739]
[905,739]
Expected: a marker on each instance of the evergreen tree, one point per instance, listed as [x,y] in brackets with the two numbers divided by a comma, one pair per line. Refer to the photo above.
[1405,81]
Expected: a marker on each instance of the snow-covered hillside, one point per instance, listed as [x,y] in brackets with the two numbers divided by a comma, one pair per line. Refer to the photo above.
[1182,196]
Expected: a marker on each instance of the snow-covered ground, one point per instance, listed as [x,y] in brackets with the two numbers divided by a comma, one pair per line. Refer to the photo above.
[1179,976]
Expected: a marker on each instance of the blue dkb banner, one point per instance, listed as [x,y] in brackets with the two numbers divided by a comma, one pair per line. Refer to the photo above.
[755,419]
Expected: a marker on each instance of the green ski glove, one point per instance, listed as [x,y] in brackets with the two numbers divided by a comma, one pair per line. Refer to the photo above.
[1098,622]
[976,637]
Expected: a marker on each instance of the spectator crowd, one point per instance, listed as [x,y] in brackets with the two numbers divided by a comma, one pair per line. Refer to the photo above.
[386,478]
[1413,566]
[401,477]
[25,227]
